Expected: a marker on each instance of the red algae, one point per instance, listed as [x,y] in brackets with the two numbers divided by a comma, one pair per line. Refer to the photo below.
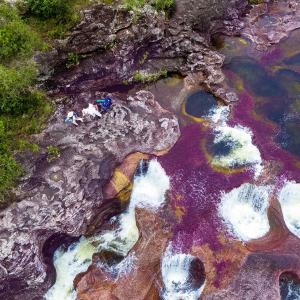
[197,186]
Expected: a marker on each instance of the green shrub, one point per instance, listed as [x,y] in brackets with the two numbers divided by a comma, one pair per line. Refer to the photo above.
[160,5]
[7,13]
[73,60]
[255,2]
[9,171]
[164,5]
[16,96]
[14,131]
[24,145]
[53,153]
[143,77]
[134,4]
[23,109]
[16,38]
[47,9]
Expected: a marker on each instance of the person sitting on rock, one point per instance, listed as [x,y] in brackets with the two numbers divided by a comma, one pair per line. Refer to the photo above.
[72,117]
[104,104]
[92,111]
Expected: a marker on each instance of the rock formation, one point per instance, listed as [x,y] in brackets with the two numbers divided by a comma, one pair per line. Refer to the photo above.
[63,195]
[66,195]
[113,45]
[270,22]
[142,280]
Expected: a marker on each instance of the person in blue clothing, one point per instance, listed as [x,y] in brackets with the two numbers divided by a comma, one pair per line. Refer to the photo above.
[104,104]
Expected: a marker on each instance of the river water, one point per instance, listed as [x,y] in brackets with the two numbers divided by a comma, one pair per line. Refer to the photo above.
[230,162]
[222,173]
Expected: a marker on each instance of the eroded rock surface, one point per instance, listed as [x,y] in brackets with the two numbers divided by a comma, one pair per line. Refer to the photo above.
[141,280]
[63,196]
[268,23]
[113,45]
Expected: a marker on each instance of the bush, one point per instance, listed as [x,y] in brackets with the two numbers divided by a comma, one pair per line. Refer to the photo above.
[16,38]
[23,109]
[47,9]
[9,171]
[255,2]
[134,4]
[7,13]
[15,94]
[73,60]
[164,5]
[53,153]
[143,77]
[160,5]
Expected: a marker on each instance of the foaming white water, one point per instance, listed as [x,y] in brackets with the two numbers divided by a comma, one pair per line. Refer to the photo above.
[238,139]
[289,198]
[291,290]
[242,152]
[219,115]
[148,191]
[176,277]
[244,210]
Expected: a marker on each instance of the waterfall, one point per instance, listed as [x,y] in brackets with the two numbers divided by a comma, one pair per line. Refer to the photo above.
[244,210]
[177,277]
[149,191]
[289,198]
[239,141]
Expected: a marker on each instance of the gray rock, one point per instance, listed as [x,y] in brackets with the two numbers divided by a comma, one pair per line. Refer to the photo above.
[62,197]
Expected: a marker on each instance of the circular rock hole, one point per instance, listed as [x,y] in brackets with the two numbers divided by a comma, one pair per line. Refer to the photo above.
[289,284]
[200,104]
[197,273]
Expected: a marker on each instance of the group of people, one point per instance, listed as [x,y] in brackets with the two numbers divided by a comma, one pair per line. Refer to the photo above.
[102,105]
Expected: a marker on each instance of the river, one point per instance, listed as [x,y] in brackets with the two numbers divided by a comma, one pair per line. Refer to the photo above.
[228,165]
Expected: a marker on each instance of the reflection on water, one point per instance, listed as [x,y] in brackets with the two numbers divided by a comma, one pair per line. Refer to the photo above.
[293,60]
[255,77]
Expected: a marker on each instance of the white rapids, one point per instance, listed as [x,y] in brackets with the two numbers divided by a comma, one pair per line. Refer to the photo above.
[149,191]
[243,153]
[244,210]
[175,270]
[289,198]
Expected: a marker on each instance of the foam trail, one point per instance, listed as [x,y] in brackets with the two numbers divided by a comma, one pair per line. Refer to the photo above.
[149,190]
[289,198]
[176,277]
[219,115]
[244,210]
